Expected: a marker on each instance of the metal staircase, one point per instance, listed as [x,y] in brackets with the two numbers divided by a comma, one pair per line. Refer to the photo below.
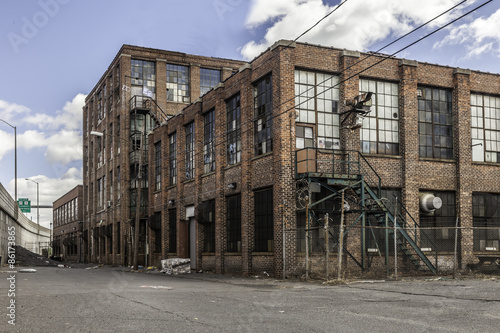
[145,104]
[380,219]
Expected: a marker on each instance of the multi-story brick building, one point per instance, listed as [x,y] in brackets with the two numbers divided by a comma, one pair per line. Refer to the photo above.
[68,225]
[237,178]
[142,88]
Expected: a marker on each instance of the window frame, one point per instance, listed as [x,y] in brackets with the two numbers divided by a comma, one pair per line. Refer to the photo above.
[233,228]
[190,151]
[143,74]
[178,83]
[263,220]
[485,135]
[172,158]
[382,123]
[209,78]
[263,116]
[233,126]
[172,230]
[209,227]
[208,141]
[315,94]
[431,126]
[438,225]
[486,221]
[158,165]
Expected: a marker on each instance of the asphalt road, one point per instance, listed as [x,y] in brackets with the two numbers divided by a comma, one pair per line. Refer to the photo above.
[114,300]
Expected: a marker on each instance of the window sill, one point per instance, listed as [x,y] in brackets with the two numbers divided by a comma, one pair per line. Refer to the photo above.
[232,253]
[208,174]
[396,157]
[170,187]
[208,253]
[263,253]
[493,164]
[175,102]
[262,156]
[232,166]
[426,159]
[188,181]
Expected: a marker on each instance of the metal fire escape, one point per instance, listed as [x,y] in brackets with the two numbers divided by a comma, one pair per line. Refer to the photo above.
[379,219]
[144,112]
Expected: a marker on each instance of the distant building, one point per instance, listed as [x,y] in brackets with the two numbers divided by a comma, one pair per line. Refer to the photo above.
[235,179]
[68,225]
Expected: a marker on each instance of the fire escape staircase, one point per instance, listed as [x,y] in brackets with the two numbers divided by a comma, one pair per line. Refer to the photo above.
[349,171]
[146,104]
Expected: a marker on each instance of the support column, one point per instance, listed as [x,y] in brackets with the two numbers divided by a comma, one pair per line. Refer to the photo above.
[462,142]
[408,107]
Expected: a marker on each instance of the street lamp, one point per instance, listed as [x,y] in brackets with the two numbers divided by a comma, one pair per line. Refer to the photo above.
[37,201]
[15,157]
[138,198]
[50,244]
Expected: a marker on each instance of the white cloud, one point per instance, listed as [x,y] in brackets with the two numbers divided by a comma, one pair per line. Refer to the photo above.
[479,36]
[60,147]
[59,136]
[7,140]
[31,139]
[64,147]
[356,25]
[69,118]
[10,111]
[50,189]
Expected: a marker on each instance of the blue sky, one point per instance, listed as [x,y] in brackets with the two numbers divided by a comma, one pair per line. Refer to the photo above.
[53,52]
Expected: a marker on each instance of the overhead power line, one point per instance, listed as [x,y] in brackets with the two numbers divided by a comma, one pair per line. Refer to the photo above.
[352,76]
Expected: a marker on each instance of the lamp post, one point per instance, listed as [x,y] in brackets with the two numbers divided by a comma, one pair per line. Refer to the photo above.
[50,244]
[138,200]
[37,201]
[15,158]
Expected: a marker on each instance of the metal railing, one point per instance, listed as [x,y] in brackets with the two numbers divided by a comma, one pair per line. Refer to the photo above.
[147,103]
[342,162]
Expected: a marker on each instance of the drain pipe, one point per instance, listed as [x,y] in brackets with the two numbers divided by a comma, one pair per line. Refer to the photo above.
[395,240]
[284,241]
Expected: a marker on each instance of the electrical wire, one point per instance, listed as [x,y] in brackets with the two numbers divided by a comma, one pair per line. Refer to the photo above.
[197,144]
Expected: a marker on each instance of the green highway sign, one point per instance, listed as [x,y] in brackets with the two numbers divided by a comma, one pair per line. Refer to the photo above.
[24,205]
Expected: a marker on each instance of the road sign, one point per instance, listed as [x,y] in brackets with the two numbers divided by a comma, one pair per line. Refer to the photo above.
[24,205]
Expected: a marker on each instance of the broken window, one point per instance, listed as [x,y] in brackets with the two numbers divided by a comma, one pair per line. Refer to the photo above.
[190,167]
[233,130]
[178,83]
[263,115]
[380,131]
[316,104]
[485,123]
[208,141]
[435,123]
[172,158]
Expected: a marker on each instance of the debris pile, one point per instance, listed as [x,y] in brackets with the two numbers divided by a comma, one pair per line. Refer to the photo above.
[26,258]
[176,266]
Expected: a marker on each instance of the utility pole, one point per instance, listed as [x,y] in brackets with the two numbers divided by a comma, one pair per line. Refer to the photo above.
[341,238]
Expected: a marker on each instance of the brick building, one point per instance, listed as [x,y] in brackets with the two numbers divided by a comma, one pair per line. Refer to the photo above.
[237,178]
[141,88]
[68,225]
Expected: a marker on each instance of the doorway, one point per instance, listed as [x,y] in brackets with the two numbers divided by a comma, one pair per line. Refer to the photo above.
[192,242]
